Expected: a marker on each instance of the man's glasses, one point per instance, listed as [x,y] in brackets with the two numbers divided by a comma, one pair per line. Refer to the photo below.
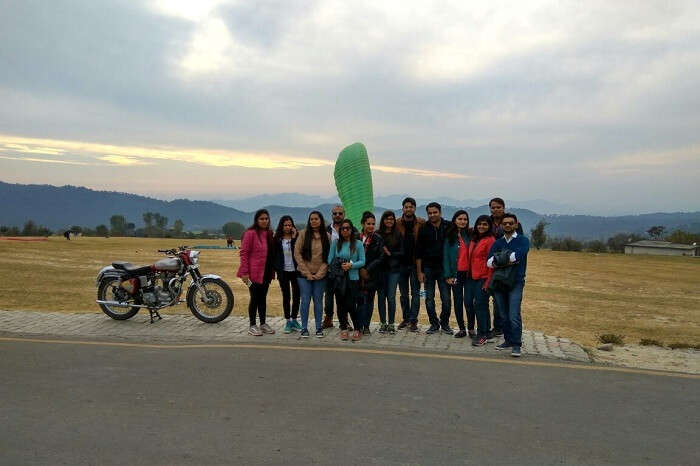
[507,223]
[337,214]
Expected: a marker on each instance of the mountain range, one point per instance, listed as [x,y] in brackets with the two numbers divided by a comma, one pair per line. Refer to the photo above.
[60,207]
[250,204]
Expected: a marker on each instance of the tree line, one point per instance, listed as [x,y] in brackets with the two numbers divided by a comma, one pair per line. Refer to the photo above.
[155,226]
[615,244]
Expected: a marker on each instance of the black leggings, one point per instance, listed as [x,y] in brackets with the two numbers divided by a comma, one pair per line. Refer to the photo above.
[258,301]
[347,304]
[289,280]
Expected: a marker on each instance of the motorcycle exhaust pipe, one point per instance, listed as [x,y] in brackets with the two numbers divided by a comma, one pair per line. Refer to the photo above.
[118,304]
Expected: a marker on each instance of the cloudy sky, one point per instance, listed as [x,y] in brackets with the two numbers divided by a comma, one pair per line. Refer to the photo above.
[591,104]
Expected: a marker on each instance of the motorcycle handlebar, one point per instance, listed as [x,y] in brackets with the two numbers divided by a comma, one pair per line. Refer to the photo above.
[174,251]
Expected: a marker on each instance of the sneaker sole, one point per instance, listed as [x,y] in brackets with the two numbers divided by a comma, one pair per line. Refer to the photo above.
[515,355]
[503,348]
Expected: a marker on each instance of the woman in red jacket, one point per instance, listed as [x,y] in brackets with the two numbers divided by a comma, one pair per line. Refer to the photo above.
[480,274]
[256,269]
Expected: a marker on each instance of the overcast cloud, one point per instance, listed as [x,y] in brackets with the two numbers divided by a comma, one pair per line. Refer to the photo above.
[590,104]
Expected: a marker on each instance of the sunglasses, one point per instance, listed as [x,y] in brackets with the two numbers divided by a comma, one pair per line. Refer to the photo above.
[336,214]
[345,228]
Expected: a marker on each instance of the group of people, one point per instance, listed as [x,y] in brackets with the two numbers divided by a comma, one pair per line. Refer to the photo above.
[354,266]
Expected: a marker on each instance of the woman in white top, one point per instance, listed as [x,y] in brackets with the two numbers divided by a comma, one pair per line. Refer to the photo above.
[286,268]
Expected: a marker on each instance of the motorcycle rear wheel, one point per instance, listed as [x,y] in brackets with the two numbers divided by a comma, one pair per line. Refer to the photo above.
[217,307]
[105,293]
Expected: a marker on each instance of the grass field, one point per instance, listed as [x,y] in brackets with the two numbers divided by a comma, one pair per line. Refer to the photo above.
[569,294]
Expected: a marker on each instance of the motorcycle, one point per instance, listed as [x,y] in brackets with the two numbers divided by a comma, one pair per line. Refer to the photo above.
[123,289]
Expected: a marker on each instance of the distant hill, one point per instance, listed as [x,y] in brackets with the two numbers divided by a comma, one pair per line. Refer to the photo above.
[60,207]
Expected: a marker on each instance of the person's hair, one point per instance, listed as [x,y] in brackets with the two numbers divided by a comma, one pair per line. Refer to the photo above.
[259,213]
[410,200]
[341,240]
[509,215]
[367,214]
[497,200]
[435,205]
[476,236]
[279,233]
[453,229]
[392,238]
[309,236]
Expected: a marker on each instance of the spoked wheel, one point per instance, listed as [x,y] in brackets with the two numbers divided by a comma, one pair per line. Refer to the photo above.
[211,306]
[109,291]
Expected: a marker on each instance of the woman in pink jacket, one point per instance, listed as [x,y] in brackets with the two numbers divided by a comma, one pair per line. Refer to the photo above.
[256,269]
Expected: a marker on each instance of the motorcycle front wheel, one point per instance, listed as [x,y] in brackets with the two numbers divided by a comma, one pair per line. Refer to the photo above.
[214,305]
[109,291]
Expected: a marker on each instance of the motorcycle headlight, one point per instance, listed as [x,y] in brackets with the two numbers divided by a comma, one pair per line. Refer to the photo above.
[194,257]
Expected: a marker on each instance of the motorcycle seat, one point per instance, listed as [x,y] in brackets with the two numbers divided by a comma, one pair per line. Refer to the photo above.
[132,269]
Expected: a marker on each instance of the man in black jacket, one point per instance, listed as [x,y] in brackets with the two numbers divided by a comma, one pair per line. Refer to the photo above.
[429,250]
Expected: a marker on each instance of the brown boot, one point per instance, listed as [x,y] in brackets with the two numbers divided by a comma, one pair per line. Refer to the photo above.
[404,324]
[413,327]
[327,322]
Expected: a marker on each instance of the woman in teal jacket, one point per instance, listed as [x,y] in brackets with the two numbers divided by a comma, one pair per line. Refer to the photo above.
[347,254]
[455,267]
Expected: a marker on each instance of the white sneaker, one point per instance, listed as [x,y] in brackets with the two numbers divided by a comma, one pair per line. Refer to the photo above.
[266,329]
[255,331]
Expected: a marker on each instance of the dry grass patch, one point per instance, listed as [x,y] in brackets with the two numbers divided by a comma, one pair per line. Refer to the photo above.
[613,338]
[568,294]
[651,342]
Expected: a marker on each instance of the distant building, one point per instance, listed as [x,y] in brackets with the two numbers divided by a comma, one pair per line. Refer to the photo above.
[662,248]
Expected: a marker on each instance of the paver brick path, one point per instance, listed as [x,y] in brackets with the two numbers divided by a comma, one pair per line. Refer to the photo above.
[235,330]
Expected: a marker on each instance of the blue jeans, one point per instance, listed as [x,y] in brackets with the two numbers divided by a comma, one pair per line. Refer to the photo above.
[431,276]
[464,299]
[481,306]
[509,309]
[386,294]
[365,307]
[497,321]
[409,276]
[309,289]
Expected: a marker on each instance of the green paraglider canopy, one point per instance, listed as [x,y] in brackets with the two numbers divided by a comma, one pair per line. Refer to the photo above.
[353,180]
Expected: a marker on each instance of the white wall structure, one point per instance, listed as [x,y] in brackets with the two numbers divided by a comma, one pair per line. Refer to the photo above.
[662,248]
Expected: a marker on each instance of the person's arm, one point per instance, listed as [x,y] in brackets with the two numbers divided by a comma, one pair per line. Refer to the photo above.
[520,250]
[246,245]
[448,269]
[489,261]
[301,263]
[419,254]
[360,252]
[331,252]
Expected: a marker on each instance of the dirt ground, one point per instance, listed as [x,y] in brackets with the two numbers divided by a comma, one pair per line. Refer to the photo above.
[568,294]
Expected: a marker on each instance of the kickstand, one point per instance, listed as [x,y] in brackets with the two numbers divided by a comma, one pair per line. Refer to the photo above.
[154,313]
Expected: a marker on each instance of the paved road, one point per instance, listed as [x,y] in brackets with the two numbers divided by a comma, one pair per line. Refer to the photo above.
[235,329]
[75,404]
